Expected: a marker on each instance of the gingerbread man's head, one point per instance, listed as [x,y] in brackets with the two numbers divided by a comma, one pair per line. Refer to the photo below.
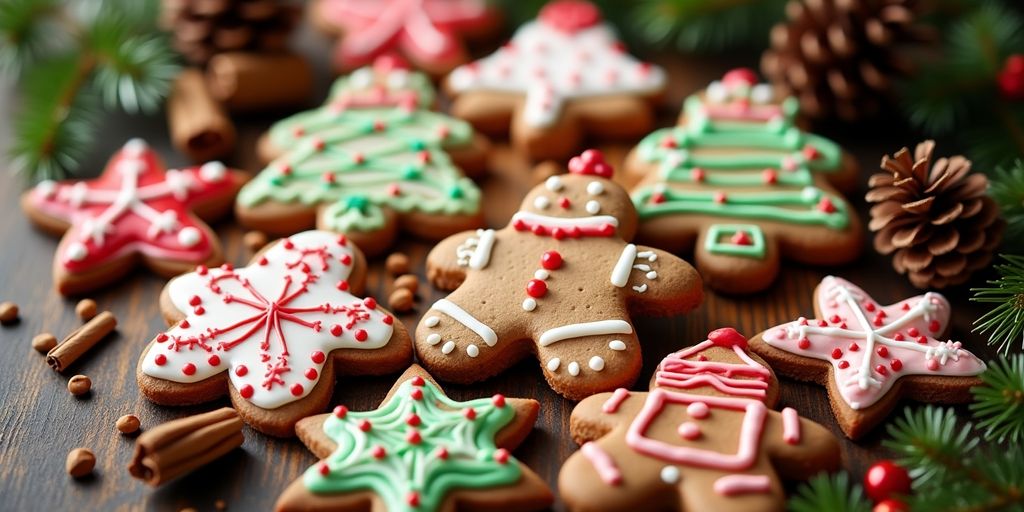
[584,202]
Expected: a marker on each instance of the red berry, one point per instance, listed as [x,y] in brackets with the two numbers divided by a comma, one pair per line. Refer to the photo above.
[890,505]
[885,479]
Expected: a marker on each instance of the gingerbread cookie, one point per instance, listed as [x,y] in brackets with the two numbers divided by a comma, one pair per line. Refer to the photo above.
[427,32]
[272,334]
[703,438]
[739,183]
[136,211]
[368,163]
[560,282]
[562,77]
[419,451]
[869,355]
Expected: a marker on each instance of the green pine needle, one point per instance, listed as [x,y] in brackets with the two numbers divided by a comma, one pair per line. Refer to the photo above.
[54,127]
[834,493]
[999,404]
[1006,186]
[706,25]
[27,31]
[929,443]
[134,71]
[1004,323]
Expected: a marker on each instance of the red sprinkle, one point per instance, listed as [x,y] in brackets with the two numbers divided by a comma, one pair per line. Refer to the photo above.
[881,370]
[551,260]
[897,337]
[882,352]
[318,357]
[564,202]
[934,326]
[698,175]
[388,320]
[499,400]
[416,394]
[195,301]
[501,455]
[311,374]
[896,365]
[442,453]
[378,452]
[720,197]
[214,360]
[343,285]
[870,307]
[913,332]
[413,420]
[370,303]
[418,381]
[246,391]
[835,319]
[854,347]
[361,335]
[241,370]
[536,288]
[804,343]
[843,365]
[340,412]
[336,330]
[365,425]
[324,469]
[413,499]
[162,337]
[160,360]
[188,369]
[413,437]
[837,353]
[199,310]
[470,414]
[297,389]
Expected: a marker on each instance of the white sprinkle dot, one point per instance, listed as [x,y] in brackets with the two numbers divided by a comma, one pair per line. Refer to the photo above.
[554,363]
[541,274]
[617,345]
[448,347]
[473,350]
[652,275]
[77,251]
[596,363]
[541,202]
[189,236]
[432,321]
[595,188]
[212,171]
[593,207]
[529,304]
[574,368]
[434,339]
[553,183]
[670,475]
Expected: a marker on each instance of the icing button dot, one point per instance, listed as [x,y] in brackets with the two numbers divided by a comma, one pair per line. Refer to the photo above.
[189,236]
[617,345]
[246,391]
[160,359]
[498,400]
[689,431]
[574,368]
[472,350]
[434,339]
[593,207]
[553,184]
[448,347]
[432,321]
[595,188]
[541,202]
[551,260]
[297,389]
[318,357]
[529,304]
[361,335]
[698,410]
[214,360]
[541,274]
[553,364]
[596,363]
[189,369]
[311,374]
[241,370]
[670,475]
[536,288]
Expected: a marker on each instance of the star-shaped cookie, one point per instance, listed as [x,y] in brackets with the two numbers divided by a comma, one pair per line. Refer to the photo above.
[419,451]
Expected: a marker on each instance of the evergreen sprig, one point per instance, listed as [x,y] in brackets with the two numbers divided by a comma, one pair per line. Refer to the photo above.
[72,60]
[835,493]
[999,404]
[956,94]
[1006,186]
[706,25]
[1004,323]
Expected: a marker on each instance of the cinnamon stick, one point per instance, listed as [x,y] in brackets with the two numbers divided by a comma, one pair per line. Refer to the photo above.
[80,341]
[255,81]
[172,449]
[199,126]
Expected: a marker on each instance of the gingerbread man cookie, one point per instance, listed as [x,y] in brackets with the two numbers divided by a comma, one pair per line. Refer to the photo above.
[427,32]
[136,211]
[560,282]
[272,334]
[561,77]
[702,439]
[368,163]
[739,183]
[869,356]
[419,451]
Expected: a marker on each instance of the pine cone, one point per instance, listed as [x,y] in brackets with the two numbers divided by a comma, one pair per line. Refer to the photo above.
[204,28]
[937,218]
[838,56]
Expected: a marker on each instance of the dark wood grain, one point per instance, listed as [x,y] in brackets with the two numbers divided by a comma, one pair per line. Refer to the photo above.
[40,421]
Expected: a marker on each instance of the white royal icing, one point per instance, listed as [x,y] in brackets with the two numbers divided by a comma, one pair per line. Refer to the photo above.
[463,317]
[580,330]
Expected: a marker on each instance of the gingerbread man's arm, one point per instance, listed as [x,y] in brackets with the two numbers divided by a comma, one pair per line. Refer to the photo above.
[599,414]
[656,282]
[449,260]
[799,448]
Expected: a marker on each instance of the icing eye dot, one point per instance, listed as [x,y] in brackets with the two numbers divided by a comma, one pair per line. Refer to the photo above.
[595,188]
[761,93]
[554,183]
[541,202]
[593,207]
[716,92]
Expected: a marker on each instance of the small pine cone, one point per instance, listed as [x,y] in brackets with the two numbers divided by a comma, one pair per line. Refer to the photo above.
[204,28]
[936,217]
[838,57]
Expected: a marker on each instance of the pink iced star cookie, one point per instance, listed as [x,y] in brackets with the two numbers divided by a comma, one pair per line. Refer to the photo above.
[869,355]
[137,210]
[427,32]
[273,333]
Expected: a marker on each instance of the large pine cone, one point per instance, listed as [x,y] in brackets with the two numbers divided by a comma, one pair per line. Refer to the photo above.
[937,218]
[204,28]
[838,56]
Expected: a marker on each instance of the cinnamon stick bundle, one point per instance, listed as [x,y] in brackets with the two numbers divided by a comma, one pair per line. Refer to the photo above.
[254,81]
[80,341]
[199,126]
[180,446]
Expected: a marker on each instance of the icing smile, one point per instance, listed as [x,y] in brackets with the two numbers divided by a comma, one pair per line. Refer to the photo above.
[562,227]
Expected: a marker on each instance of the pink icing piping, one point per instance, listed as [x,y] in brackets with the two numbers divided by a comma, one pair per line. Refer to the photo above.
[612,404]
[790,426]
[675,371]
[731,485]
[603,463]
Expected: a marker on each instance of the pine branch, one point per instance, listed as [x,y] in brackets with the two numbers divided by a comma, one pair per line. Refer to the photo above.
[999,404]
[834,493]
[27,31]
[706,25]
[1006,186]
[1004,323]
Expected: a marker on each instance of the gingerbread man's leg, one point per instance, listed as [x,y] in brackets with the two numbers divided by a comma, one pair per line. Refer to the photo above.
[580,359]
[737,257]
[601,477]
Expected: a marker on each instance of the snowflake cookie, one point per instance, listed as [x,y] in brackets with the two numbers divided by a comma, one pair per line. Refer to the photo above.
[272,334]
[420,451]
[869,355]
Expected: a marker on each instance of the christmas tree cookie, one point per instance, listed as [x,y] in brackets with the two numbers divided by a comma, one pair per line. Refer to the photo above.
[869,355]
[370,162]
[739,183]
[703,438]
[420,451]
[562,77]
[273,334]
[136,211]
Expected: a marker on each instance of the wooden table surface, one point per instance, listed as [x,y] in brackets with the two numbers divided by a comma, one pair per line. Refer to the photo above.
[40,421]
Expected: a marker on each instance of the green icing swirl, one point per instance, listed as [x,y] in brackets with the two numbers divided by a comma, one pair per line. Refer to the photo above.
[771,145]
[408,467]
[367,152]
